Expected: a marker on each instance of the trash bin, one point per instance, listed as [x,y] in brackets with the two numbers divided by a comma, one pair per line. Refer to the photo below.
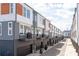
[41,51]
[41,48]
[46,47]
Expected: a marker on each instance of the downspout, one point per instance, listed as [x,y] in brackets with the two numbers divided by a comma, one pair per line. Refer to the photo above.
[15,52]
[77,30]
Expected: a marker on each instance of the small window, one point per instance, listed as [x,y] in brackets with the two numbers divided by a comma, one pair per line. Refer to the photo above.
[28,14]
[24,11]
[0,28]
[10,25]
[10,31]
[10,28]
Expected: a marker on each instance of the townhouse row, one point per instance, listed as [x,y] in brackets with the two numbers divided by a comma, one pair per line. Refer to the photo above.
[23,30]
[75,29]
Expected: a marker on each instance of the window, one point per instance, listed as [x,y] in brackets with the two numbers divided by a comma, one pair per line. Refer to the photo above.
[28,13]
[5,8]
[21,29]
[10,26]
[24,12]
[0,28]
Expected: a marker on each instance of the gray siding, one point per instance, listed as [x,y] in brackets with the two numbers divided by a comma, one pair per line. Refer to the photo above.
[6,47]
[5,35]
[6,41]
[16,30]
[34,21]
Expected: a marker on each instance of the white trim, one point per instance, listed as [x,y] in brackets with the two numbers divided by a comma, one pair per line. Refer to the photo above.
[10,28]
[0,8]
[21,30]
[1,29]
[10,7]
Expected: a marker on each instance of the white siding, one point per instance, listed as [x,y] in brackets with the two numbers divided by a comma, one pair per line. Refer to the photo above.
[47,25]
[24,20]
[10,16]
[40,23]
[74,31]
[78,22]
[7,17]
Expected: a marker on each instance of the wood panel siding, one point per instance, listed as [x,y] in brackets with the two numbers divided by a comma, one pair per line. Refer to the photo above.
[19,9]
[5,8]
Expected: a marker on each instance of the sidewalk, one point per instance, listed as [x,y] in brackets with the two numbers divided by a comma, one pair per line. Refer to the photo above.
[38,52]
[70,50]
[63,48]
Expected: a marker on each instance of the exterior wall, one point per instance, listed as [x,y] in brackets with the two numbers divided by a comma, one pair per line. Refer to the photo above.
[8,16]
[40,20]
[74,28]
[6,41]
[40,24]
[9,43]
[34,22]
[6,47]
[47,28]
[51,33]
[5,35]
[25,20]
[78,22]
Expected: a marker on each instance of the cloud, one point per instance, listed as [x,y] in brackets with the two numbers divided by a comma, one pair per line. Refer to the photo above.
[60,14]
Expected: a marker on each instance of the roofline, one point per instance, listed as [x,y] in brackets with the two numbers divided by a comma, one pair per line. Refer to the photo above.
[42,16]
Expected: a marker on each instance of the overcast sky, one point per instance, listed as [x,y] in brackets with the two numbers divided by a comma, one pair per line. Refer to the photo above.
[60,14]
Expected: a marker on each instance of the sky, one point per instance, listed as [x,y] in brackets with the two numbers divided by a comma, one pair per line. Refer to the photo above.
[60,14]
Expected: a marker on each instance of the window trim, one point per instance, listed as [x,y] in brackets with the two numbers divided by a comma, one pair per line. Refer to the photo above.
[11,8]
[10,28]
[1,29]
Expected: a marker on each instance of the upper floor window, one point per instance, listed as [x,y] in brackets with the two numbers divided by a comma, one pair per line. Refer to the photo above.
[25,12]
[10,27]
[5,8]
[28,13]
[19,9]
[0,28]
